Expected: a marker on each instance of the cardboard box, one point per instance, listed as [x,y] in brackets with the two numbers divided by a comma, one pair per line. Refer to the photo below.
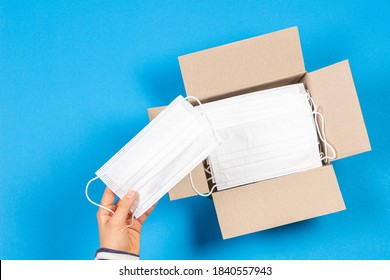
[262,62]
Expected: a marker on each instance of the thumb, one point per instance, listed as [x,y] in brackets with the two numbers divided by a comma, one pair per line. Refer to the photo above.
[124,206]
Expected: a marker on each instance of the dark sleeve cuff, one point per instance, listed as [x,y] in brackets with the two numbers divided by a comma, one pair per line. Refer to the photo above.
[109,254]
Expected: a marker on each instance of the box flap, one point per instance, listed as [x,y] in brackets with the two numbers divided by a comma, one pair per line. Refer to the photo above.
[245,64]
[277,202]
[333,91]
[183,188]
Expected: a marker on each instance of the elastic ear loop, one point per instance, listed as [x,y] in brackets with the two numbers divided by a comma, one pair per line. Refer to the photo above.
[93,202]
[99,205]
[207,170]
[201,194]
[132,221]
[321,131]
[203,113]
[216,136]
[323,137]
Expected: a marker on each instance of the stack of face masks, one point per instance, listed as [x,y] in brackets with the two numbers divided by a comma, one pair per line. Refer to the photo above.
[247,138]
[264,135]
[162,154]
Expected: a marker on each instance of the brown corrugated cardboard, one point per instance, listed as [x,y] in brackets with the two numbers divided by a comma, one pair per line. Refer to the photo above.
[333,89]
[279,201]
[221,71]
[266,61]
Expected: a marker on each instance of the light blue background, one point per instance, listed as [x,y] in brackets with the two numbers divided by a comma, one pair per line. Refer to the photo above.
[76,78]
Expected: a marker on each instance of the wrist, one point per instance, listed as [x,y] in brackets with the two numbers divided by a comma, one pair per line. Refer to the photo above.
[111,254]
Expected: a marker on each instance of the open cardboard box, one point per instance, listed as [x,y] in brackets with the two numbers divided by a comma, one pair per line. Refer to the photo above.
[262,62]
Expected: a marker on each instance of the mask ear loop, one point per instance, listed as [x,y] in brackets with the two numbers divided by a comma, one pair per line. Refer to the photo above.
[321,131]
[132,221]
[216,136]
[201,194]
[323,138]
[101,206]
[93,202]
[207,170]
[205,115]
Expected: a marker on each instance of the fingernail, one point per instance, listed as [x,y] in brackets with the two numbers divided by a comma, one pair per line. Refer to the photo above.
[130,194]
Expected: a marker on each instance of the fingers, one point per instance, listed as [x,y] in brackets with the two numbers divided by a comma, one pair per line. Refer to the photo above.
[108,197]
[107,201]
[143,218]
[123,208]
[103,216]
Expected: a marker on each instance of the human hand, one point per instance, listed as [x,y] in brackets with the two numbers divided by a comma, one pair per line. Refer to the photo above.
[114,230]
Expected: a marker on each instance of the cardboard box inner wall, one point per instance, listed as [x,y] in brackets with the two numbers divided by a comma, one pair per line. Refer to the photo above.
[262,62]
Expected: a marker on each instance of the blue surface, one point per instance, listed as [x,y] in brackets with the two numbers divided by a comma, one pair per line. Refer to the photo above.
[76,78]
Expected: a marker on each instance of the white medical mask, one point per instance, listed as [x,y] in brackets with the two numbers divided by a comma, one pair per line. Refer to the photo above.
[159,156]
[265,134]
